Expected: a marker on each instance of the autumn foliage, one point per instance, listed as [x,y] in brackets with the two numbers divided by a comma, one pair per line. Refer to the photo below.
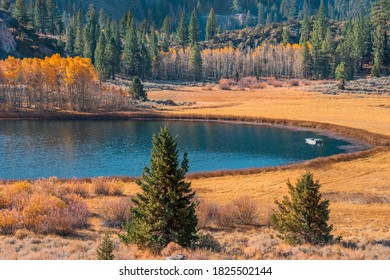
[54,83]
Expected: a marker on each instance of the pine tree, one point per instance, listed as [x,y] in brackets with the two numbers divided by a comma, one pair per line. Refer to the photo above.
[211,25]
[101,63]
[131,51]
[112,53]
[341,75]
[105,249]
[360,43]
[70,37]
[380,19]
[102,18]
[303,217]
[260,14]
[182,35]
[137,91]
[193,28]
[5,5]
[317,37]
[154,50]
[31,13]
[285,36]
[326,56]
[20,12]
[165,210]
[91,34]
[248,19]
[54,20]
[166,31]
[40,16]
[305,31]
[195,63]
[236,8]
[79,34]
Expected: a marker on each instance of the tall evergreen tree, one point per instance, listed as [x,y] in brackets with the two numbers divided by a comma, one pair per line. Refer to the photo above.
[211,25]
[131,51]
[101,63]
[195,63]
[70,37]
[20,12]
[166,31]
[194,29]
[360,45]
[79,33]
[260,14]
[91,33]
[317,37]
[182,36]
[154,50]
[341,75]
[40,15]
[326,56]
[54,19]
[305,31]
[112,53]
[285,35]
[165,210]
[380,19]
[303,217]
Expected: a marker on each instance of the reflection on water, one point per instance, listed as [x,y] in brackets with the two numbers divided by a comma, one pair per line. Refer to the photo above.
[36,149]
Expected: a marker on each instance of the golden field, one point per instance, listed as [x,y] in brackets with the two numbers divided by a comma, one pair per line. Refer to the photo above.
[357,187]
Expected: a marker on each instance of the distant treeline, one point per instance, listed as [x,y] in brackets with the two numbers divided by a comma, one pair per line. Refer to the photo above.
[132,48]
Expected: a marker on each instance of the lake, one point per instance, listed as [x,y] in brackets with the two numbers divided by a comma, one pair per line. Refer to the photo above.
[32,149]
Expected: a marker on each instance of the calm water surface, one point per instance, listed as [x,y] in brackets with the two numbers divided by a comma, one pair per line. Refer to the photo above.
[67,149]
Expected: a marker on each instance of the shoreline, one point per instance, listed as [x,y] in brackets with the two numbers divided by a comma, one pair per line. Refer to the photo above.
[372,143]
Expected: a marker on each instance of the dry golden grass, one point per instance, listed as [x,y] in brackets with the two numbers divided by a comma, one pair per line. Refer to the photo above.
[358,186]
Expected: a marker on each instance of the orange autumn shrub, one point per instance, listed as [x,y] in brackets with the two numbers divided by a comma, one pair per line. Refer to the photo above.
[9,221]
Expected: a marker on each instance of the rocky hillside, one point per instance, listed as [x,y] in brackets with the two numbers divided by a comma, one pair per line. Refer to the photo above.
[19,41]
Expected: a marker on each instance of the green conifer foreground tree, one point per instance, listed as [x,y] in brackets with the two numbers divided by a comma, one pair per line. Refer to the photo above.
[137,89]
[303,217]
[165,210]
[105,249]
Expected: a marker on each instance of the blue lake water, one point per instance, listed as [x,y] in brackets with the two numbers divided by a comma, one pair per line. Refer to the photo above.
[66,149]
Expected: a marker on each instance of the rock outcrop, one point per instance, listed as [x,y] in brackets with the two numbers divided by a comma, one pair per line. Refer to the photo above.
[7,41]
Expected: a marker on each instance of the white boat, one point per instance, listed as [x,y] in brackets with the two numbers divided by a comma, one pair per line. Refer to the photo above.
[313,141]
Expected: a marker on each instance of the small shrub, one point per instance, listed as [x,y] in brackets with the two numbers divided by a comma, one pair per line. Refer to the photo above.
[115,211]
[76,188]
[226,84]
[22,233]
[9,221]
[38,213]
[258,85]
[245,211]
[226,216]
[294,83]
[277,84]
[100,186]
[208,242]
[247,82]
[206,214]
[116,188]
